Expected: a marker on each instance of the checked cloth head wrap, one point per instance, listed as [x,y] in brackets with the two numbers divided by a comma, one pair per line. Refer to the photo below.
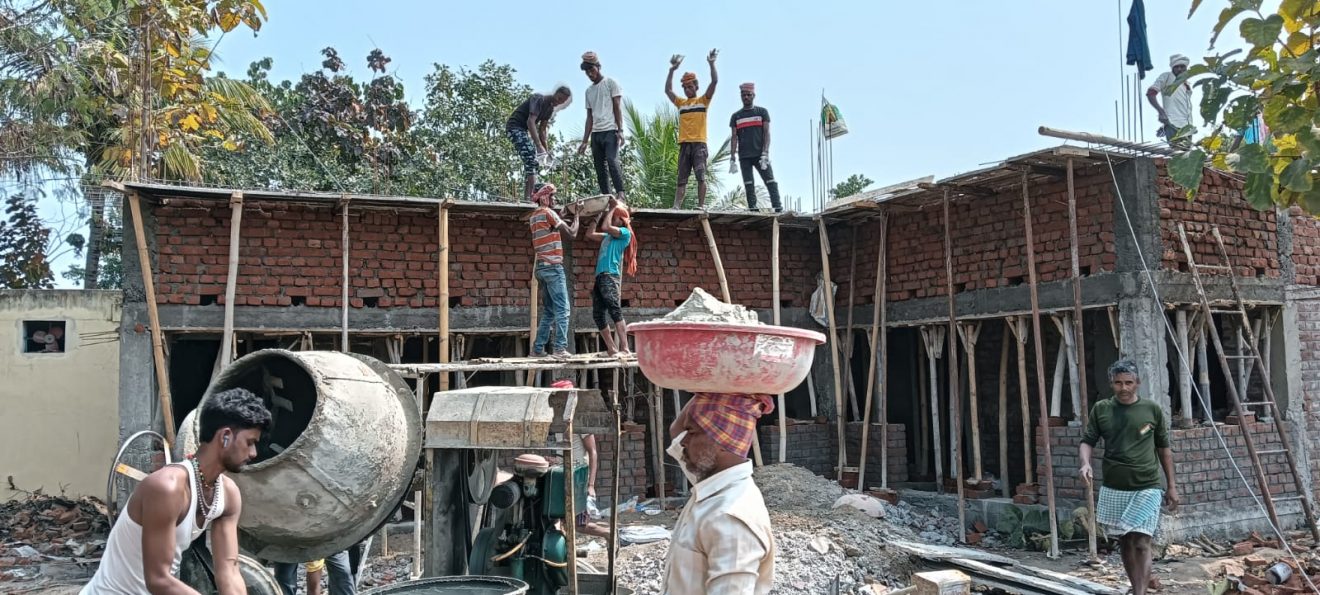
[730,419]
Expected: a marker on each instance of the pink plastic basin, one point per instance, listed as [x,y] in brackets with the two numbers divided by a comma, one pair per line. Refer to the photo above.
[724,358]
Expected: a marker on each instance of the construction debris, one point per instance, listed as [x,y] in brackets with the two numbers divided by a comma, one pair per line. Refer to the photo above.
[999,572]
[50,537]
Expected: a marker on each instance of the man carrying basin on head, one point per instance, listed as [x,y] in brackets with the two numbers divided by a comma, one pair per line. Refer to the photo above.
[722,543]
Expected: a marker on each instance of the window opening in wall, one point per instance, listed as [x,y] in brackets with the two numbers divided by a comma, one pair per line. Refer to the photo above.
[43,336]
[455,302]
[208,299]
[298,300]
[370,302]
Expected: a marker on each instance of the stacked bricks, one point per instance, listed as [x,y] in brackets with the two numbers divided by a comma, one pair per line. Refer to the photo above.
[898,467]
[292,255]
[1250,236]
[1306,246]
[810,446]
[1206,477]
[988,241]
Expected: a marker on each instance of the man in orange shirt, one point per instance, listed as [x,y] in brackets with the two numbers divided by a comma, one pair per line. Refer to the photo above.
[692,109]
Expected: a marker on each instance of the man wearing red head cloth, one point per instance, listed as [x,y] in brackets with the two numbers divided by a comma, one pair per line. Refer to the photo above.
[722,542]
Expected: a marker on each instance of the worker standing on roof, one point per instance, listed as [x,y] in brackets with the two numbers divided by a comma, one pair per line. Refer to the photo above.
[722,543]
[1136,438]
[554,303]
[618,254]
[692,153]
[604,132]
[750,127]
[1176,113]
[527,127]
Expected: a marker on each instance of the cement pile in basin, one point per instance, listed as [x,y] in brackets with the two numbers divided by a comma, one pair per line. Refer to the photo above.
[704,307]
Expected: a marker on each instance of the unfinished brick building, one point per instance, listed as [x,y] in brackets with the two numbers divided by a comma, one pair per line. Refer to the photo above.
[1135,296]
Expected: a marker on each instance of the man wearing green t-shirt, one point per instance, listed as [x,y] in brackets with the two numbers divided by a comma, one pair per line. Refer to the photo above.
[1136,438]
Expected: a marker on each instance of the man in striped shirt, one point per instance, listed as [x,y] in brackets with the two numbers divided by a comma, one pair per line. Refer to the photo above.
[545,226]
[751,146]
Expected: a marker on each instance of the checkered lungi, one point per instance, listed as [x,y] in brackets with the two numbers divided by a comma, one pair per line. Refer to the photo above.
[1124,512]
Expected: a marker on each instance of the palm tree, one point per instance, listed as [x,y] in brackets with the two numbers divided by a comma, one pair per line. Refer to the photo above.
[653,143]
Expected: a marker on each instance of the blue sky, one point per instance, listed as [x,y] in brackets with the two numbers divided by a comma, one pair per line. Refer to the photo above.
[925,88]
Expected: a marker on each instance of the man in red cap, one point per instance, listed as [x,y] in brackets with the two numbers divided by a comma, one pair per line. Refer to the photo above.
[545,226]
[692,152]
[722,543]
[604,132]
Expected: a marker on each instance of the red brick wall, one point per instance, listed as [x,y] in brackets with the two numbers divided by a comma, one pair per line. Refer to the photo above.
[293,251]
[1306,247]
[988,241]
[1250,236]
[1205,474]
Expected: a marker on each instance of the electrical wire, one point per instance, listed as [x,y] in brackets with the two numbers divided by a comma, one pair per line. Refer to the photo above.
[1204,399]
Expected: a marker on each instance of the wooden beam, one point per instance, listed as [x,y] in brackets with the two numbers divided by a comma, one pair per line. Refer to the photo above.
[774,309]
[1005,486]
[153,317]
[1040,368]
[848,341]
[878,329]
[834,349]
[955,398]
[231,281]
[715,255]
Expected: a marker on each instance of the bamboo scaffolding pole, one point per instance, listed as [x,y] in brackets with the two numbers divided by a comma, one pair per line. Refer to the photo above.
[1080,347]
[1004,484]
[614,497]
[344,345]
[657,415]
[1184,369]
[1040,368]
[922,419]
[443,301]
[153,317]
[933,336]
[852,333]
[774,308]
[955,397]
[535,298]
[1063,324]
[715,255]
[834,342]
[1018,326]
[1056,382]
[877,355]
[969,332]
[570,504]
[231,281]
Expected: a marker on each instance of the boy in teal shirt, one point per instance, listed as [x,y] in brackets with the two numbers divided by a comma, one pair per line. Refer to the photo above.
[613,232]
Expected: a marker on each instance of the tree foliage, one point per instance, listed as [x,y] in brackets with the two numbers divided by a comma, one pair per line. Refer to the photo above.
[1274,78]
[852,185]
[23,246]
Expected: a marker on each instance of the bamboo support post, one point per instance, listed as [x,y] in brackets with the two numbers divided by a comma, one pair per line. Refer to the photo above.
[1080,347]
[570,505]
[922,421]
[443,301]
[852,333]
[834,346]
[614,498]
[657,415]
[1203,366]
[955,398]
[1018,326]
[153,317]
[969,332]
[1056,384]
[1068,353]
[774,309]
[877,355]
[1005,486]
[1184,367]
[933,337]
[535,287]
[715,256]
[1036,332]
[231,281]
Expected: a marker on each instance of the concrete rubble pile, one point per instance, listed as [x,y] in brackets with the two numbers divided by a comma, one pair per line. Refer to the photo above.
[50,536]
[817,543]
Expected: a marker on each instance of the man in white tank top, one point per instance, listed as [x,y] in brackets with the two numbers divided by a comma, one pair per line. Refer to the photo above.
[175,505]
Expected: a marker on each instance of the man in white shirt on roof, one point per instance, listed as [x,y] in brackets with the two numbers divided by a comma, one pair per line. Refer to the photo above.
[1176,113]
[721,544]
[604,132]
